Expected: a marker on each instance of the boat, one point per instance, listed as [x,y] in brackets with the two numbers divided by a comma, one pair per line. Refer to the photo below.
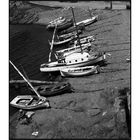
[29,102]
[79,71]
[73,28]
[68,35]
[52,90]
[62,42]
[73,60]
[88,21]
[58,20]
[73,49]
[84,40]
[78,59]
[61,26]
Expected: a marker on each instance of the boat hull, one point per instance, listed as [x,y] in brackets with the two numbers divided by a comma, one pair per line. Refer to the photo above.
[28,102]
[68,73]
[61,26]
[91,61]
[88,21]
[62,42]
[53,90]
[71,29]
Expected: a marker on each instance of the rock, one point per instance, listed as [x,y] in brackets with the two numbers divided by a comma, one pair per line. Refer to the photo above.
[29,114]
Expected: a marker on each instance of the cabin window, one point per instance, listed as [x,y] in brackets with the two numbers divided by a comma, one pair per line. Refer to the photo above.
[82,59]
[69,61]
[75,60]
[87,56]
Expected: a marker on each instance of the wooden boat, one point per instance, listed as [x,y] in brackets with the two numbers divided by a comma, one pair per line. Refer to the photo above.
[51,90]
[79,71]
[62,42]
[61,26]
[73,49]
[68,35]
[58,20]
[84,40]
[73,60]
[88,21]
[28,102]
[73,28]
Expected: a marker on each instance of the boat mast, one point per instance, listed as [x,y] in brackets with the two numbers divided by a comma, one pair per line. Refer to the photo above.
[25,80]
[52,43]
[76,30]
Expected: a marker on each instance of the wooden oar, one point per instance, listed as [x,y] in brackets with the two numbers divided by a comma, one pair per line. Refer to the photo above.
[26,80]
[52,44]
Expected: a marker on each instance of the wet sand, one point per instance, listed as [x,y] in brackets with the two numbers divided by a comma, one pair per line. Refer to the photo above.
[94,109]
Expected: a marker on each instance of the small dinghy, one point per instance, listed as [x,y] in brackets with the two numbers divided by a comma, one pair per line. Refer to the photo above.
[62,42]
[73,28]
[58,20]
[68,35]
[79,71]
[28,102]
[52,90]
[61,26]
[88,21]
[84,40]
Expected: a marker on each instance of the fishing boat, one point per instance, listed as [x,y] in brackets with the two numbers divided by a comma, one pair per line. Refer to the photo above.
[52,90]
[73,49]
[79,71]
[73,60]
[61,26]
[62,42]
[28,102]
[73,28]
[68,35]
[85,43]
[58,20]
[88,21]
[84,40]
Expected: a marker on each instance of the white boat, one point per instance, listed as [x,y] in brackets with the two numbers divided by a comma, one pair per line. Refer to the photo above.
[56,43]
[57,20]
[79,71]
[71,50]
[72,34]
[73,60]
[86,39]
[29,102]
[88,21]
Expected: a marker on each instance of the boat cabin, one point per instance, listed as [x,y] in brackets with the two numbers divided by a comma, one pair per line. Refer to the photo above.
[77,58]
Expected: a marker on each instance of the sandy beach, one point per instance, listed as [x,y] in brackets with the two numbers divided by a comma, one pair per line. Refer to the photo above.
[96,108]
